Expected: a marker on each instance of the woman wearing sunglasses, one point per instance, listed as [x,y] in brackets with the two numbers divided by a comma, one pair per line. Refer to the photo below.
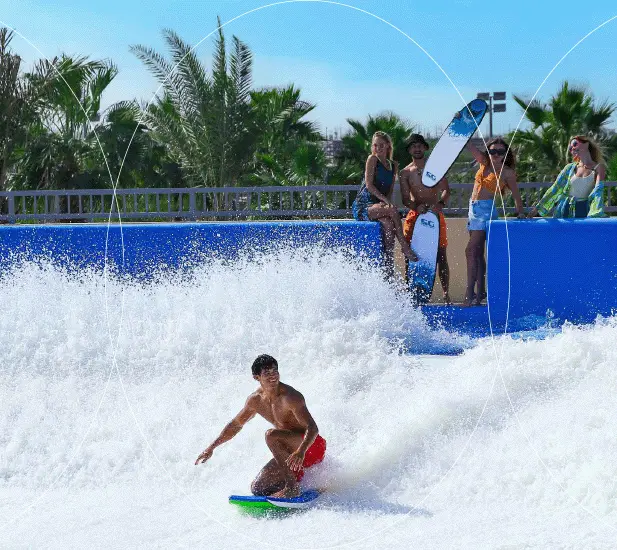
[578,190]
[495,174]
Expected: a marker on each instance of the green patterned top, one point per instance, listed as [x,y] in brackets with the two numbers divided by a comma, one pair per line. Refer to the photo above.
[557,199]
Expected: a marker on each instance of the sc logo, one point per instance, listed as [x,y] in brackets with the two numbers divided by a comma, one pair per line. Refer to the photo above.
[428,223]
[430,175]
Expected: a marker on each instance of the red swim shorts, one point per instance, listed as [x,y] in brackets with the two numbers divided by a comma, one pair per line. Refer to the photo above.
[410,222]
[314,455]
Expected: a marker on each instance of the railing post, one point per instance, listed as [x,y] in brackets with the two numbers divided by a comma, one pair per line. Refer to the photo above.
[192,205]
[11,207]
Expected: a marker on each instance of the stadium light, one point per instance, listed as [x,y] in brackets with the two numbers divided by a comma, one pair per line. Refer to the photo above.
[496,108]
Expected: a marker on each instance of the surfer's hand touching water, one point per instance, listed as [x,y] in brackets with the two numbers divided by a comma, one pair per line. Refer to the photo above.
[203,457]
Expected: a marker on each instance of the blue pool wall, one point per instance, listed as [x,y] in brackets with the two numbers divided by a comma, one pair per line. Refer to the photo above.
[566,269]
[143,249]
[562,268]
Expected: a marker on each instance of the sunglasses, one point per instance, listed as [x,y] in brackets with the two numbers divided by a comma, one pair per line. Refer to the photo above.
[576,143]
[500,152]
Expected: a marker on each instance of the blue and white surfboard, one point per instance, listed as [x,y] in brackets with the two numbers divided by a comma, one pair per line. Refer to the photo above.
[425,243]
[452,141]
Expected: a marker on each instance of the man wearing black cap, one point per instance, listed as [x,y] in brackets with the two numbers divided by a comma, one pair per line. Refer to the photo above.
[420,199]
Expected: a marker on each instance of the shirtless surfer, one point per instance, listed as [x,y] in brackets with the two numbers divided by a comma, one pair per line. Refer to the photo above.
[420,199]
[295,442]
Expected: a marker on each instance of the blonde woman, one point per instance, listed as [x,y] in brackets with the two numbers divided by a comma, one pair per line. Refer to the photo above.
[578,190]
[374,200]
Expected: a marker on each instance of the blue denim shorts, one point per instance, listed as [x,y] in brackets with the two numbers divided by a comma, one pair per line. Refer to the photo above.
[480,212]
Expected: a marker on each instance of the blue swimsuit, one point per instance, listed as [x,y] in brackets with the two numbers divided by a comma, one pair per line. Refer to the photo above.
[384,179]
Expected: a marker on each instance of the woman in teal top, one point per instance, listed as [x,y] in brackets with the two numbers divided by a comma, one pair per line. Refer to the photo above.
[578,191]
[374,203]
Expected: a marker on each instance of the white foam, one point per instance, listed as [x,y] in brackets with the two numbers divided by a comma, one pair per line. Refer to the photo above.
[406,461]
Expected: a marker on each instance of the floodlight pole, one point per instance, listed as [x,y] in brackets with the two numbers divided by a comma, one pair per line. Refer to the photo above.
[498,96]
[490,118]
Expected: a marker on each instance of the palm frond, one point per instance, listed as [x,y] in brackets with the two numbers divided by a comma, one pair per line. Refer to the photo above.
[219,67]
[535,111]
[161,69]
[241,65]
[193,83]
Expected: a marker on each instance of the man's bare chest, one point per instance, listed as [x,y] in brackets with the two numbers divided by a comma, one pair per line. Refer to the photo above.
[278,413]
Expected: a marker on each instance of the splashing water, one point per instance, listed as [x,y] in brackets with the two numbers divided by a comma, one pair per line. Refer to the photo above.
[110,388]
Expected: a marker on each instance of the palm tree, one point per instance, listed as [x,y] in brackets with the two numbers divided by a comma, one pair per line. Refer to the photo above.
[18,102]
[543,149]
[134,158]
[219,131]
[61,143]
[305,164]
[203,120]
[357,143]
[288,149]
[278,115]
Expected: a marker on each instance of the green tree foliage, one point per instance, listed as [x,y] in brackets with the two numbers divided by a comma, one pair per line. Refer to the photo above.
[61,148]
[18,102]
[54,135]
[288,148]
[132,155]
[357,142]
[204,120]
[611,174]
[219,130]
[543,149]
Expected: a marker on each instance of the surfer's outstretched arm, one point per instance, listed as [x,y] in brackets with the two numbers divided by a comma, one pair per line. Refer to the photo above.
[229,431]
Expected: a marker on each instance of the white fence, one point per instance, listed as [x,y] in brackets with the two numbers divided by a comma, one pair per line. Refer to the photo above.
[226,203]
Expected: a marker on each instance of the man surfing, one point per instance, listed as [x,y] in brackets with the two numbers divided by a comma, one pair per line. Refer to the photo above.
[420,199]
[295,442]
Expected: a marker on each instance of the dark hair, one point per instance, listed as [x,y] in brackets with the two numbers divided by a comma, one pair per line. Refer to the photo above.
[509,160]
[263,362]
[416,138]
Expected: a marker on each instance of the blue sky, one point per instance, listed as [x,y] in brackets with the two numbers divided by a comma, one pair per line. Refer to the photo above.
[348,62]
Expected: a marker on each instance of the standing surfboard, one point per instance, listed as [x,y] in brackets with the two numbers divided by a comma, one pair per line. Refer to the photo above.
[424,242]
[452,141]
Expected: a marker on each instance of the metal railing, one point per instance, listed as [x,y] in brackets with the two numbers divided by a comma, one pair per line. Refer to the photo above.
[531,192]
[225,203]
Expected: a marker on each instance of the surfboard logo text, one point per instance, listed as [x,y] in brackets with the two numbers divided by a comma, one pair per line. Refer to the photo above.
[432,176]
[428,223]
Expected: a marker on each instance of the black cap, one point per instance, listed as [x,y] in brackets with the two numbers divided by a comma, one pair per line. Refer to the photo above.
[416,138]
